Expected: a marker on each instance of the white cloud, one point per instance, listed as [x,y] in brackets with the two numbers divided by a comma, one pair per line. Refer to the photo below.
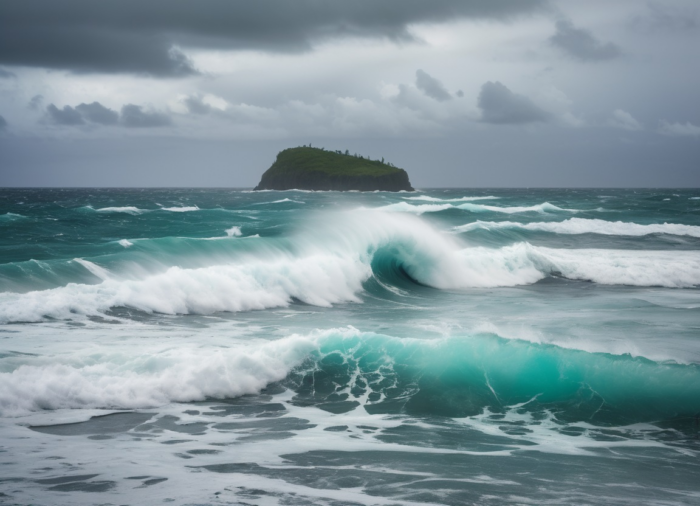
[623,119]
[679,129]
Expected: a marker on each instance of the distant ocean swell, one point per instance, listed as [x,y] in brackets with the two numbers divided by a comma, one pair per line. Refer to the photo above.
[586,226]
[339,370]
[327,263]
[444,205]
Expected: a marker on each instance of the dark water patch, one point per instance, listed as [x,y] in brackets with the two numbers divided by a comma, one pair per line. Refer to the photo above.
[338,407]
[203,451]
[154,481]
[337,428]
[272,425]
[114,423]
[66,479]
[267,436]
[90,486]
[454,438]
[274,409]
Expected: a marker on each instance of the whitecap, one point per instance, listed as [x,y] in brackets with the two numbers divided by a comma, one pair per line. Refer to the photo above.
[126,209]
[234,232]
[183,209]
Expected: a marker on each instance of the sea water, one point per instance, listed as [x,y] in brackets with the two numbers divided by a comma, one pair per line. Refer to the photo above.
[448,346]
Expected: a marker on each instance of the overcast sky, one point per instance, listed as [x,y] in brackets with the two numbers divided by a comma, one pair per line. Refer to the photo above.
[465,93]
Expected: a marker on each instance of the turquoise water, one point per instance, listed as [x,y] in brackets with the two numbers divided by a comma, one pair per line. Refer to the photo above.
[457,346]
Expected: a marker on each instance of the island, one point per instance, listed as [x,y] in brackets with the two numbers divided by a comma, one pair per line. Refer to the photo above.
[308,168]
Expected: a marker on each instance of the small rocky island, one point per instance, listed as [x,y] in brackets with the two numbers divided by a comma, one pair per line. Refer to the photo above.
[307,168]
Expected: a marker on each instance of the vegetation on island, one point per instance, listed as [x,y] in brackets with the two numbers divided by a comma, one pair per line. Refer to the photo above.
[312,168]
[307,158]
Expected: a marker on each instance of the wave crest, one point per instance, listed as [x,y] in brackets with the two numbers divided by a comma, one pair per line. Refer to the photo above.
[587,226]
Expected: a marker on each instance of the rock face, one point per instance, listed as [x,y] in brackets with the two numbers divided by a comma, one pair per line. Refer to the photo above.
[308,168]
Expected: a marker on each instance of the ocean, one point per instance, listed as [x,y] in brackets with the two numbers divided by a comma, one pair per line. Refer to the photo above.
[447,346]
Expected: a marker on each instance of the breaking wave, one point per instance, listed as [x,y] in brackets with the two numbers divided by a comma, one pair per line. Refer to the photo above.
[349,369]
[328,263]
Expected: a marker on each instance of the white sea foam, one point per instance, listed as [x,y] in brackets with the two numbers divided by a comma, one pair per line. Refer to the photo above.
[586,226]
[234,232]
[183,209]
[147,376]
[126,209]
[329,263]
[126,243]
[405,207]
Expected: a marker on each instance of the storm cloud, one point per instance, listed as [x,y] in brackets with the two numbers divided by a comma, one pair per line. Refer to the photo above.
[499,105]
[581,44]
[35,102]
[431,86]
[97,113]
[195,105]
[6,74]
[3,123]
[142,37]
[66,116]
[133,116]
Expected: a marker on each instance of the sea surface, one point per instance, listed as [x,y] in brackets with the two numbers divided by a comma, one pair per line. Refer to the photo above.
[448,346]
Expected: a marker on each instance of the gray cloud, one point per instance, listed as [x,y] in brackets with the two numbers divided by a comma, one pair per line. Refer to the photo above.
[97,113]
[686,129]
[133,116]
[195,105]
[581,44]
[6,74]
[35,102]
[3,123]
[66,116]
[431,86]
[665,17]
[139,37]
[623,119]
[501,106]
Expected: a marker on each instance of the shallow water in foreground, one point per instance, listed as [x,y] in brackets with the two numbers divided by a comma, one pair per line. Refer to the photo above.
[440,347]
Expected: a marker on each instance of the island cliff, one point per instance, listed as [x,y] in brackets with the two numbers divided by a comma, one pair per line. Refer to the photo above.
[308,168]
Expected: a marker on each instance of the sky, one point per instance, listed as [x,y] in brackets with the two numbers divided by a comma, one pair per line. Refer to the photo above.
[460,93]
